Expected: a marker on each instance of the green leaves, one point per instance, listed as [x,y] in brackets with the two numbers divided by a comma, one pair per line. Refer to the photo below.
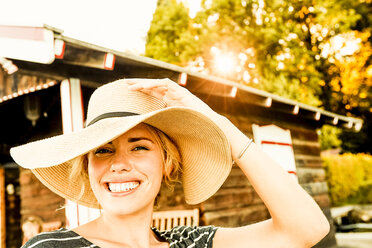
[305,50]
[169,32]
[349,178]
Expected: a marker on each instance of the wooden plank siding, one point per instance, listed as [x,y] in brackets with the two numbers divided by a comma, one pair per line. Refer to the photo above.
[38,200]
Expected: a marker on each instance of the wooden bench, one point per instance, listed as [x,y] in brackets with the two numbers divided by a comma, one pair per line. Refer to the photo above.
[165,220]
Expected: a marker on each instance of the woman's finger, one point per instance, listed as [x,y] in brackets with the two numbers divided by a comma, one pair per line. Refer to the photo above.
[138,84]
[168,91]
[164,89]
[154,89]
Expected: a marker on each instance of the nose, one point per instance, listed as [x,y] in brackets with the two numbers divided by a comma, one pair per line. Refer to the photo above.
[121,165]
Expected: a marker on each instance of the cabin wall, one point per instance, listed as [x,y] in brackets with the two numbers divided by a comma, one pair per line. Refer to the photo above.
[38,200]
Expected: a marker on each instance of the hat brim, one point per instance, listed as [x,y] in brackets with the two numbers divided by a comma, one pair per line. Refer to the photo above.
[204,149]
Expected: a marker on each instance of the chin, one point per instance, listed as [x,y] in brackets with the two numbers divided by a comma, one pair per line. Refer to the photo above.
[126,206]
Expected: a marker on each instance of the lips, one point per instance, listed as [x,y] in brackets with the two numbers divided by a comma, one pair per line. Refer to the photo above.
[122,187]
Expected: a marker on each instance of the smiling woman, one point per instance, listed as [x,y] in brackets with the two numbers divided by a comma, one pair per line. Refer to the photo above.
[142,133]
[125,174]
[170,157]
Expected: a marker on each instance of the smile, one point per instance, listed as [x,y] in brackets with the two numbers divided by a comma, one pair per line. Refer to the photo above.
[122,187]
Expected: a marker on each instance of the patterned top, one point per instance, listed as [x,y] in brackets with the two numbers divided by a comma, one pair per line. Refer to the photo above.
[178,237]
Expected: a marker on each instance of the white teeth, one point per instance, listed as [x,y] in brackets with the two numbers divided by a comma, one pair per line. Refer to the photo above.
[122,187]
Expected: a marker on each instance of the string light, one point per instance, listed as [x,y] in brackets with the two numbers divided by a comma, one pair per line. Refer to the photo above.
[296,109]
[233,91]
[183,79]
[317,116]
[268,102]
[335,121]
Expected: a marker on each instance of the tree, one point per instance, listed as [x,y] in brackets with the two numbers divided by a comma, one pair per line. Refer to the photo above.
[256,39]
[329,137]
[170,31]
[346,66]
[316,52]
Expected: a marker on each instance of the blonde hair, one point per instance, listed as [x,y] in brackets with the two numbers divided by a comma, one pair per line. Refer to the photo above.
[172,167]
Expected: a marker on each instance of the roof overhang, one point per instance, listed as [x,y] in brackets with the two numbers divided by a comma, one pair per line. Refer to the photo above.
[35,44]
[72,54]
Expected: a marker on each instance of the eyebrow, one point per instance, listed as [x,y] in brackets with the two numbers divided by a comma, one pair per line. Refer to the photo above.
[131,140]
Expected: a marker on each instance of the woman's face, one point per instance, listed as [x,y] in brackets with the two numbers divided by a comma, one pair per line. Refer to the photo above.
[126,174]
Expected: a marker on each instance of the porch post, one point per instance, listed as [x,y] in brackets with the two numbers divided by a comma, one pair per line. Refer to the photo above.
[73,120]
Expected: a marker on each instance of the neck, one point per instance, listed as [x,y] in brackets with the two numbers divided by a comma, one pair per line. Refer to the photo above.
[132,230]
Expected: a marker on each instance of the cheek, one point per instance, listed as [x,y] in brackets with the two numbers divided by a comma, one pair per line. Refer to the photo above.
[94,170]
[151,167]
[157,167]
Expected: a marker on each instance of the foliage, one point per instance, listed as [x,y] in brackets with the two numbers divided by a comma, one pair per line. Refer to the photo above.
[315,52]
[329,137]
[349,178]
[168,37]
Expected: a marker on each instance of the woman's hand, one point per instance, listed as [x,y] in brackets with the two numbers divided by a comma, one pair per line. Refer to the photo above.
[169,92]
[175,95]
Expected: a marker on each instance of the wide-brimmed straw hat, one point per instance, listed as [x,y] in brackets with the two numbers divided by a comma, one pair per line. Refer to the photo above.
[113,110]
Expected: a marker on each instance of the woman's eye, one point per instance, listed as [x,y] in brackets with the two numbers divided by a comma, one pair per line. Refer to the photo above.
[139,148]
[101,151]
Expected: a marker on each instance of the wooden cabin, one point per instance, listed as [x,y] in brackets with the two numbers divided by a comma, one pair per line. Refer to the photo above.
[46,79]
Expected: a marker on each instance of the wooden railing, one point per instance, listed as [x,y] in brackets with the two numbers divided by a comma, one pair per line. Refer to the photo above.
[162,220]
[165,220]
